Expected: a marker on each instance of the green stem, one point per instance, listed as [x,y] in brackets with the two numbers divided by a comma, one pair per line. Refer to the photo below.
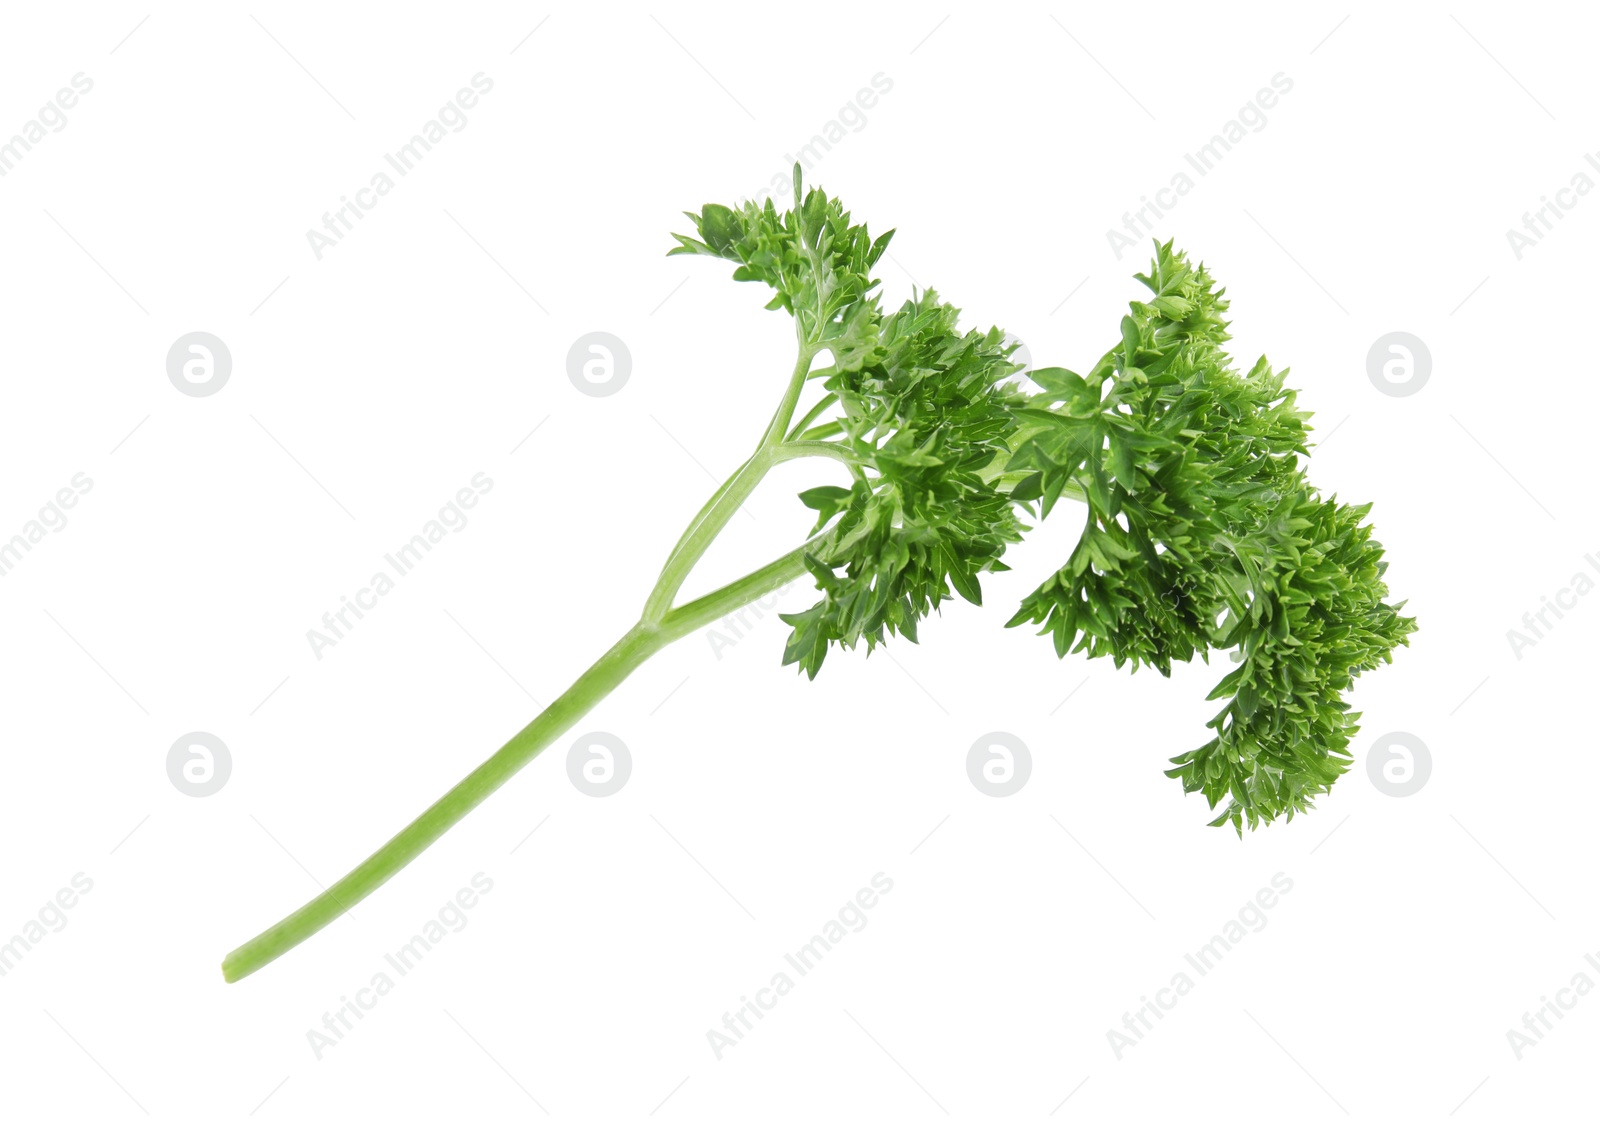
[810,417]
[729,497]
[699,536]
[638,644]
[800,449]
[822,431]
[659,625]
[693,527]
[733,596]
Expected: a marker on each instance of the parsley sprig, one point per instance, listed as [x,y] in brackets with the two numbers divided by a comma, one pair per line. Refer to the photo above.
[1201,530]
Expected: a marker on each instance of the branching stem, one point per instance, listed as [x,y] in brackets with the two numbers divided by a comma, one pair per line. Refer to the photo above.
[660,625]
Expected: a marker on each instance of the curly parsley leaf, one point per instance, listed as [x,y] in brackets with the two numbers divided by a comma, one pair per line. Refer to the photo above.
[918,411]
[816,261]
[923,414]
[1203,532]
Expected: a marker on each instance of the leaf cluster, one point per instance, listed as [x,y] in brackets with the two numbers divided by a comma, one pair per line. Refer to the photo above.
[918,411]
[923,415]
[816,261]
[1202,531]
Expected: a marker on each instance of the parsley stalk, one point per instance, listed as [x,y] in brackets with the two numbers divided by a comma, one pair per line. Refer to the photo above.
[660,624]
[638,644]
[1202,532]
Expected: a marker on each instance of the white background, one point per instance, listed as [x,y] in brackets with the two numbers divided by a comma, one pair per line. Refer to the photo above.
[369,386]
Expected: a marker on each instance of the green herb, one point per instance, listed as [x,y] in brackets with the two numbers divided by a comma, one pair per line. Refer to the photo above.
[1202,531]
